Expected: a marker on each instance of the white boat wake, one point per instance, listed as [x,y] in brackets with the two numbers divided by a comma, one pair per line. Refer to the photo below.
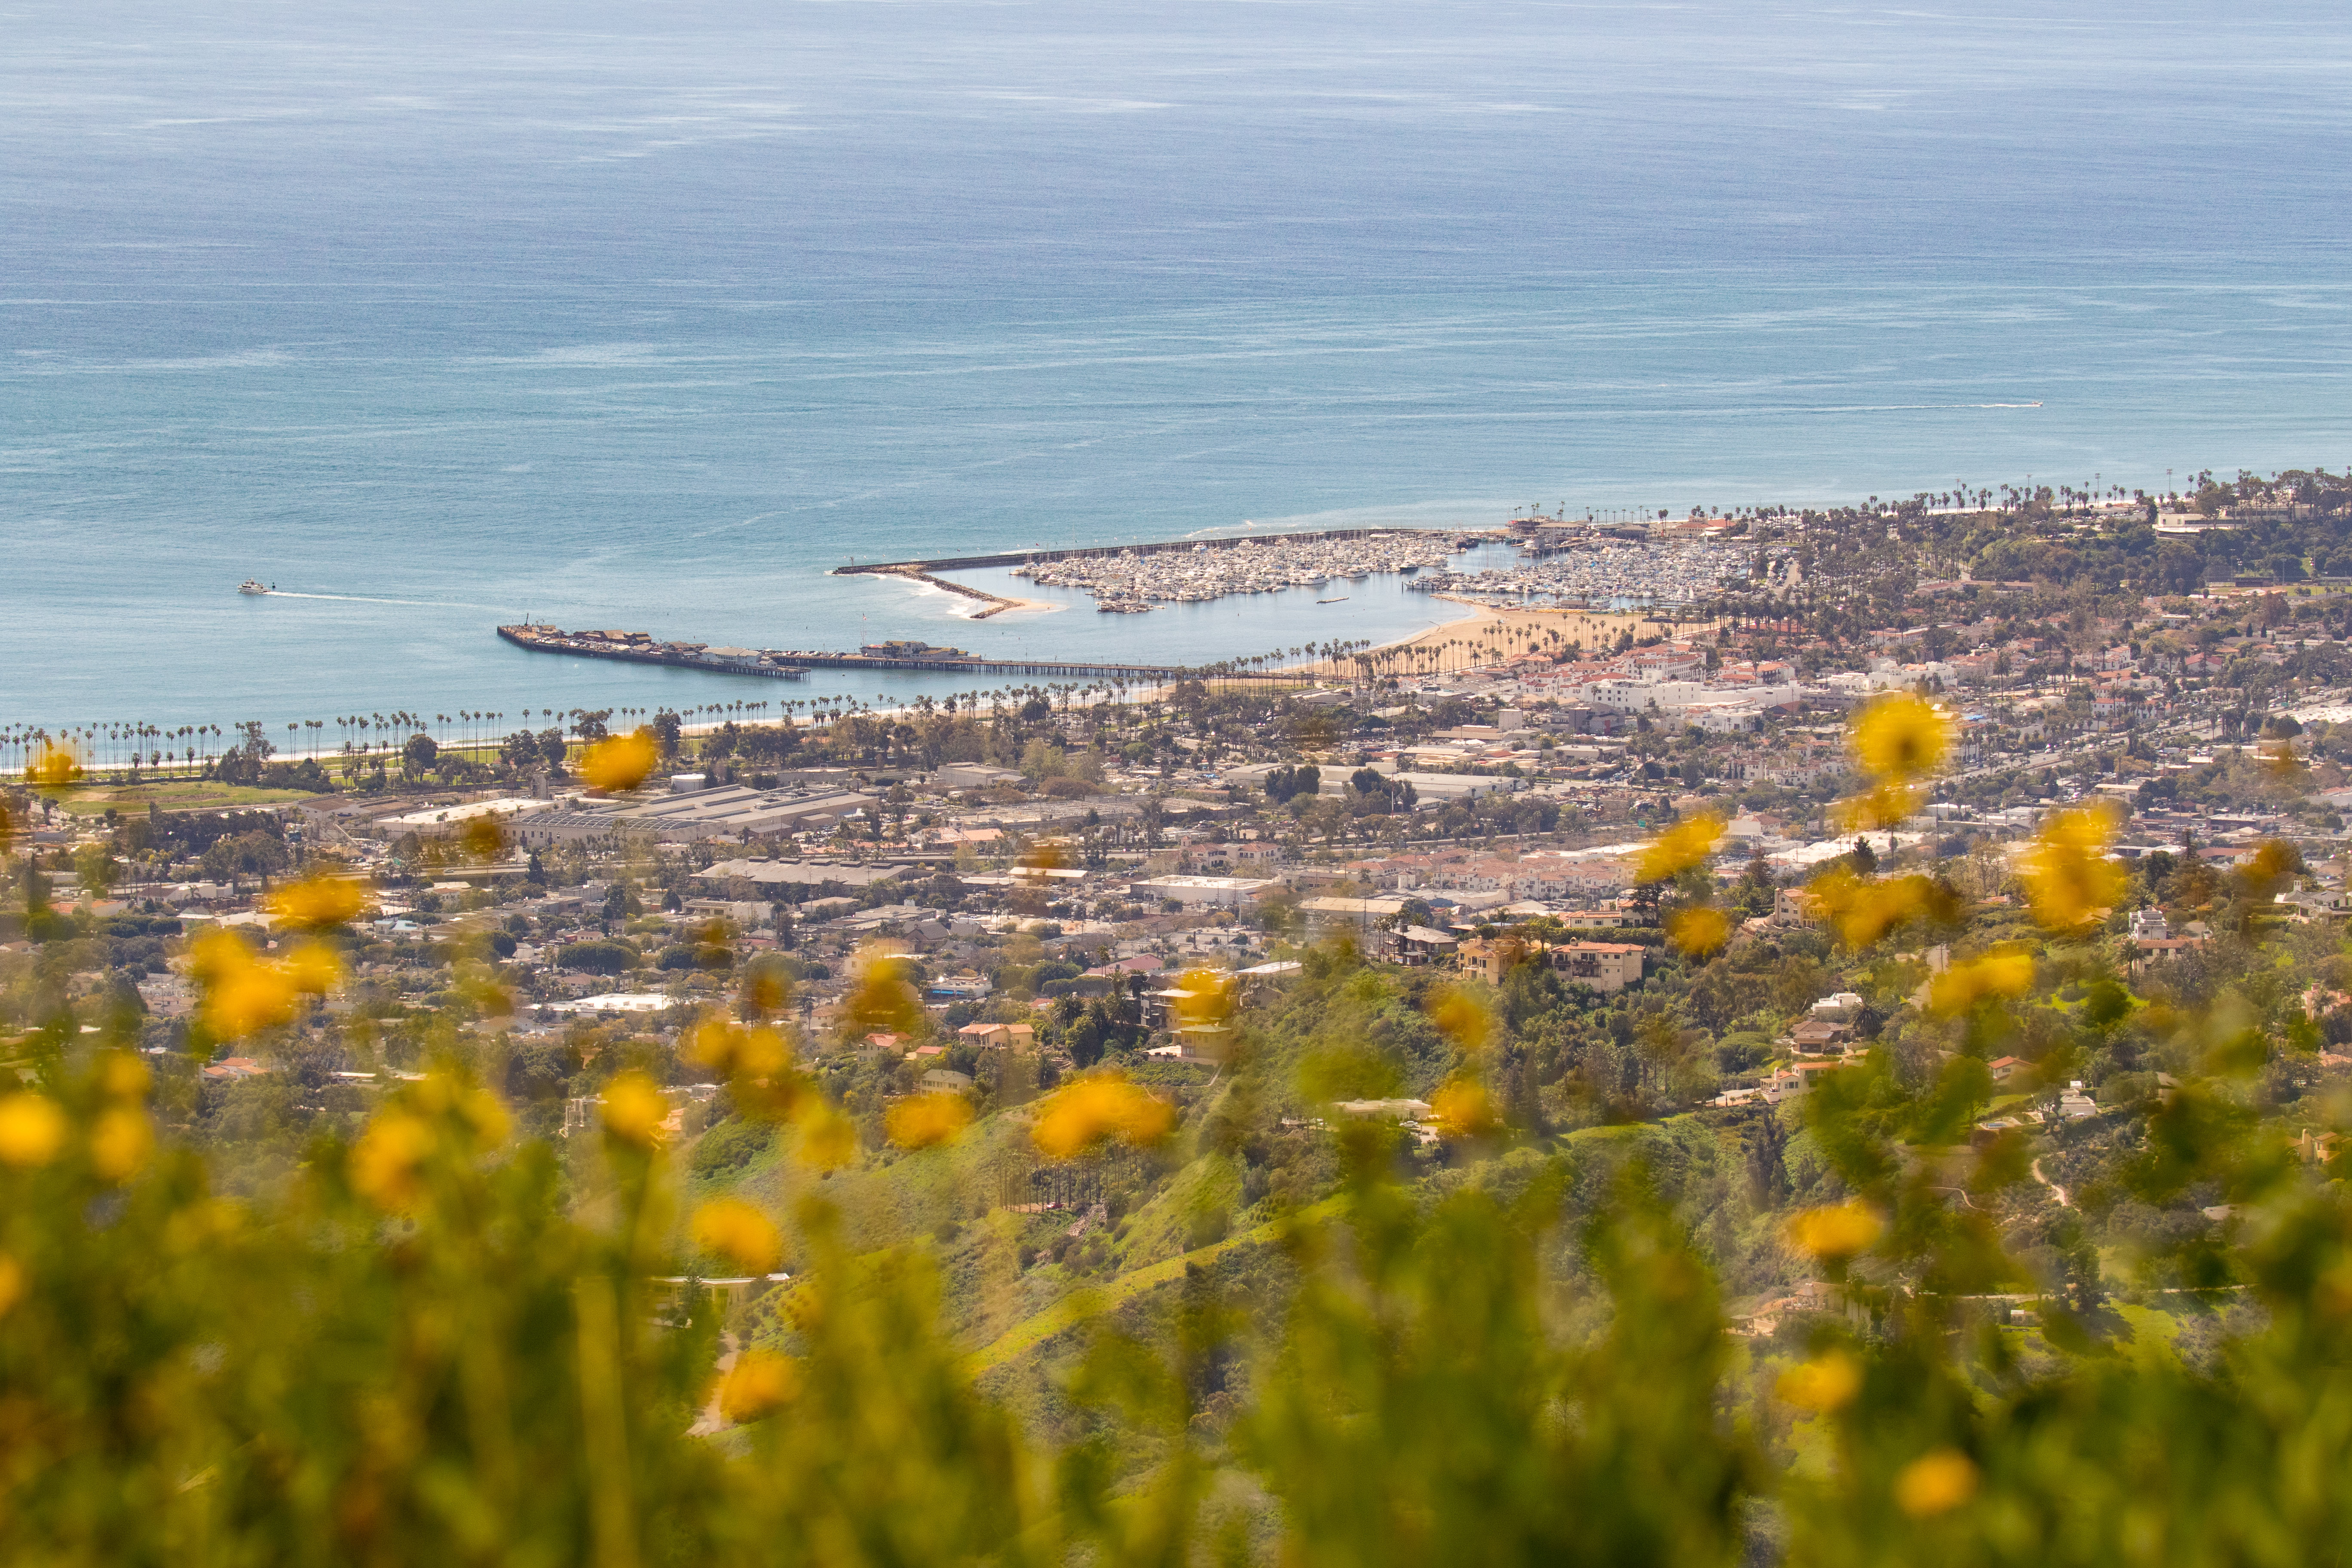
[352,599]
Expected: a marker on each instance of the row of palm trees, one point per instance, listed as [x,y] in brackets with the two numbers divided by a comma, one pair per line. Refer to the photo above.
[131,746]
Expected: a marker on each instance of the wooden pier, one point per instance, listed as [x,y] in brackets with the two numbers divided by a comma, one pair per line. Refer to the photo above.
[792,663]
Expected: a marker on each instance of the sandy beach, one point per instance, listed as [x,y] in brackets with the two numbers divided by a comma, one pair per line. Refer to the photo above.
[1488,634]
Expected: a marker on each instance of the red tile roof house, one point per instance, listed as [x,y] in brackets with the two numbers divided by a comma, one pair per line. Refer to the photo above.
[1016,1036]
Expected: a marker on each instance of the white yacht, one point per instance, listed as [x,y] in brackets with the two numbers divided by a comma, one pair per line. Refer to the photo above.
[250,586]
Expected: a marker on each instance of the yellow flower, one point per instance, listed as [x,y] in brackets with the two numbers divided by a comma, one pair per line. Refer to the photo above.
[1678,848]
[634,1110]
[243,995]
[1936,1483]
[1901,737]
[739,1233]
[384,1162]
[620,762]
[881,998]
[1698,930]
[758,1383]
[732,1050]
[486,1116]
[317,903]
[2280,759]
[124,1076]
[1827,1382]
[314,969]
[1964,984]
[442,1094]
[1083,1114]
[32,1128]
[828,1139]
[1463,1110]
[1457,1015]
[119,1141]
[926,1120]
[2272,866]
[2067,880]
[765,990]
[201,1225]
[714,1044]
[257,997]
[217,954]
[482,839]
[56,768]
[12,1283]
[1884,806]
[1839,1230]
[1208,997]
[1864,911]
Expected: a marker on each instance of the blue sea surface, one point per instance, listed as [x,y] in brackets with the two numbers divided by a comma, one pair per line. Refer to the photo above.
[648,316]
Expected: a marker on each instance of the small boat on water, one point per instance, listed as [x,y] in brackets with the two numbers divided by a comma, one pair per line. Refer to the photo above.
[250,586]
[1341,600]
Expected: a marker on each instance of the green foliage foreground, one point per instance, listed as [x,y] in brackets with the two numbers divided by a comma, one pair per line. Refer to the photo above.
[487,1374]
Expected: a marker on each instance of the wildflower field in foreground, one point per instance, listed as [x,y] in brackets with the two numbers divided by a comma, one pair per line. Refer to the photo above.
[437,1338]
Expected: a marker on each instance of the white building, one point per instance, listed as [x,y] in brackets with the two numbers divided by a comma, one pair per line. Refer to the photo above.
[1203,893]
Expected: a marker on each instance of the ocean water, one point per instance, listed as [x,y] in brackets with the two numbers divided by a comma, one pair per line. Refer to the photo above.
[649,316]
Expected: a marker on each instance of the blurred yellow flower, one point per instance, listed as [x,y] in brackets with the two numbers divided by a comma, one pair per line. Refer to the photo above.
[12,1283]
[828,1139]
[56,768]
[1884,806]
[714,1043]
[2272,866]
[384,1161]
[1083,1114]
[2279,760]
[1678,848]
[766,990]
[634,1110]
[202,1223]
[1208,998]
[247,1001]
[317,903]
[32,1128]
[486,1116]
[620,762]
[124,1076]
[739,1233]
[217,954]
[1047,855]
[482,839]
[1936,1483]
[1829,1381]
[758,1383]
[1839,1230]
[245,994]
[2067,880]
[926,1120]
[1971,981]
[1901,737]
[119,1141]
[1698,930]
[1861,911]
[1461,1018]
[1461,1110]
[881,997]
[733,1051]
[314,968]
